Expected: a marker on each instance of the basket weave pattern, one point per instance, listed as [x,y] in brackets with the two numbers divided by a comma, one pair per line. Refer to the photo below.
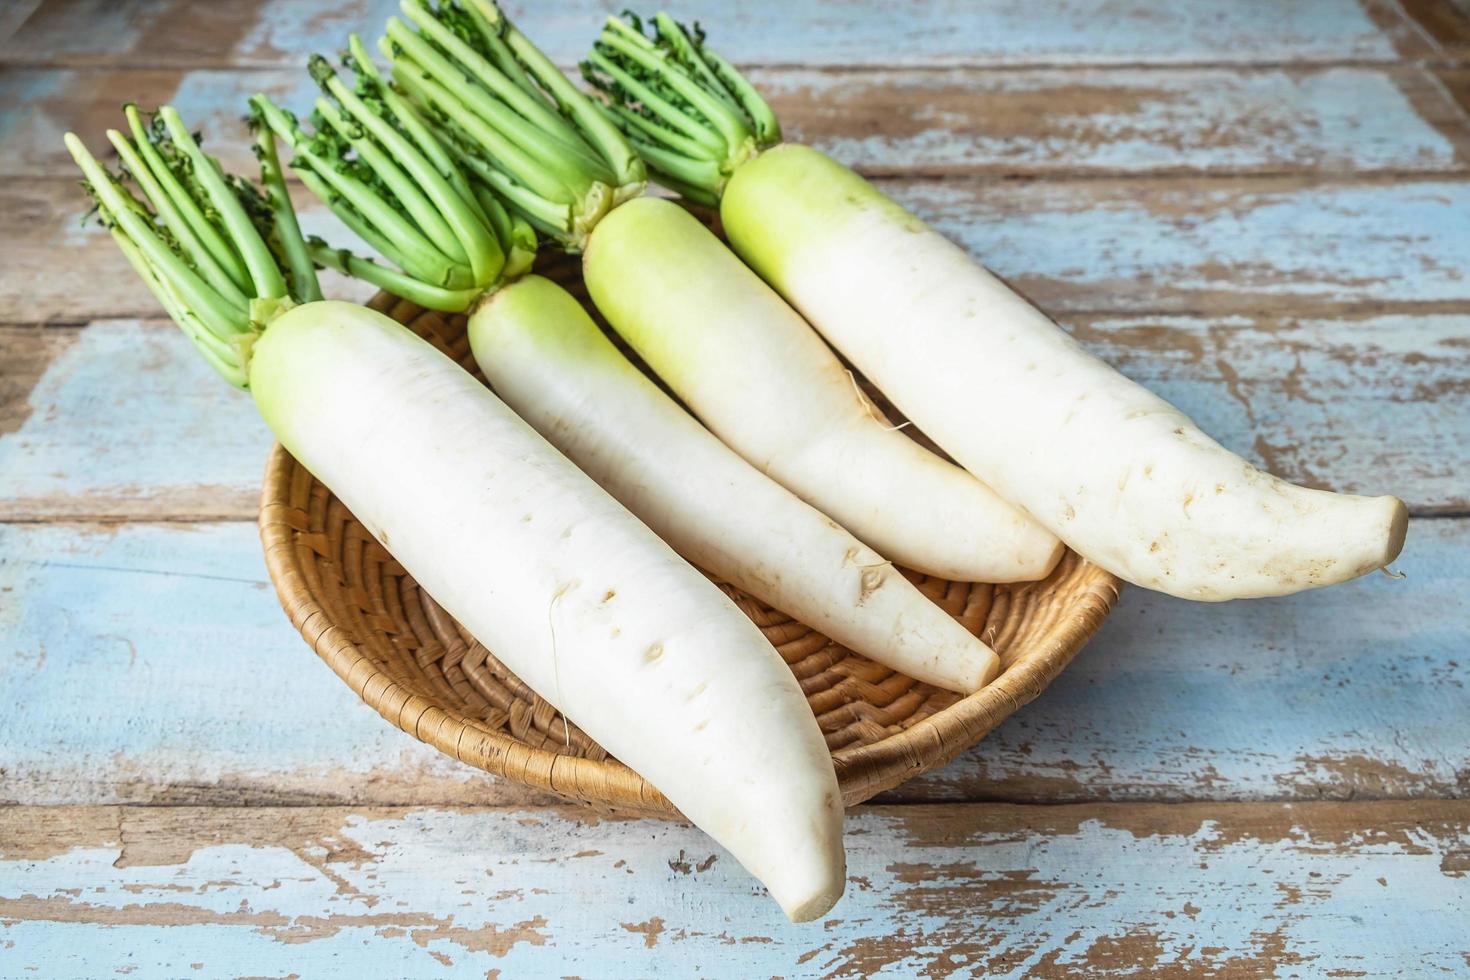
[408,658]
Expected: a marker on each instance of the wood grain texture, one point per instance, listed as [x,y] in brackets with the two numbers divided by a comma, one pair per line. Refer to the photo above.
[863,32]
[1204,246]
[1016,122]
[1174,891]
[60,268]
[1327,694]
[122,420]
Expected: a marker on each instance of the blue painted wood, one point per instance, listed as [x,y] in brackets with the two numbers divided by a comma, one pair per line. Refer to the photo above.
[1216,246]
[758,31]
[152,662]
[1356,691]
[130,421]
[999,891]
[1196,246]
[1014,121]
[127,422]
[141,657]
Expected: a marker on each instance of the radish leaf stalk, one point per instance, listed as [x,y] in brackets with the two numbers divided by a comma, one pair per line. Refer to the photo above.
[510,116]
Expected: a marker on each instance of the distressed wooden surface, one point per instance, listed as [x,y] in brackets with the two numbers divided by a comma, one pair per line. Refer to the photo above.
[1316,890]
[1368,404]
[861,32]
[1326,694]
[1345,120]
[1211,246]
[1260,210]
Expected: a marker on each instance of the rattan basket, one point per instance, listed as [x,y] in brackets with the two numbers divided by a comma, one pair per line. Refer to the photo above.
[407,658]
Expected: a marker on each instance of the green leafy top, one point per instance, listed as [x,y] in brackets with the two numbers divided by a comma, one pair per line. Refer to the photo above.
[510,117]
[687,112]
[370,155]
[221,257]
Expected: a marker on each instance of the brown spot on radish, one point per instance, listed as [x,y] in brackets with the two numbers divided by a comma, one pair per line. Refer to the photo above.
[1153,547]
[609,594]
[1219,488]
[653,653]
[1070,514]
[1148,470]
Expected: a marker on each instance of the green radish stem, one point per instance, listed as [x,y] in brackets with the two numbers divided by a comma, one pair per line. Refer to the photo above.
[511,117]
[382,168]
[679,103]
[193,232]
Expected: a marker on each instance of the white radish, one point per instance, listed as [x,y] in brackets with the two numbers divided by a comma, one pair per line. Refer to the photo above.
[542,351]
[572,592]
[754,372]
[768,386]
[1118,473]
[543,354]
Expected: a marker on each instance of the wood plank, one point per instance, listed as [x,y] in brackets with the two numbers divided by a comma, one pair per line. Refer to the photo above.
[121,419]
[180,34]
[151,663]
[1015,122]
[1212,247]
[1215,247]
[140,650]
[54,266]
[1174,891]
[1446,26]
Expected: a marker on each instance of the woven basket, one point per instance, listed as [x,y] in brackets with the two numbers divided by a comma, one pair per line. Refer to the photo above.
[406,657]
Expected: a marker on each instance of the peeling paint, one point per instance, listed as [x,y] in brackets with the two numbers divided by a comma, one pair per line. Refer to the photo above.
[951,891]
[866,32]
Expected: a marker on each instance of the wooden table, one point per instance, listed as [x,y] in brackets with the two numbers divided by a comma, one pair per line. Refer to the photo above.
[1260,209]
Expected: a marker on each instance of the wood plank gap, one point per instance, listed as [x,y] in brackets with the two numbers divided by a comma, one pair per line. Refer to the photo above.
[1274,64]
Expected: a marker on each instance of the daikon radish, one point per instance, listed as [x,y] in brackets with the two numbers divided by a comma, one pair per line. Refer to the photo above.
[549,361]
[1116,472]
[536,344]
[572,592]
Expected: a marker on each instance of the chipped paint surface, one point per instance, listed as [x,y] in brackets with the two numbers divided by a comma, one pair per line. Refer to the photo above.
[1326,694]
[1013,121]
[1351,692]
[154,660]
[1368,405]
[1212,246]
[1207,245]
[952,891]
[1200,120]
[858,32]
[129,421]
